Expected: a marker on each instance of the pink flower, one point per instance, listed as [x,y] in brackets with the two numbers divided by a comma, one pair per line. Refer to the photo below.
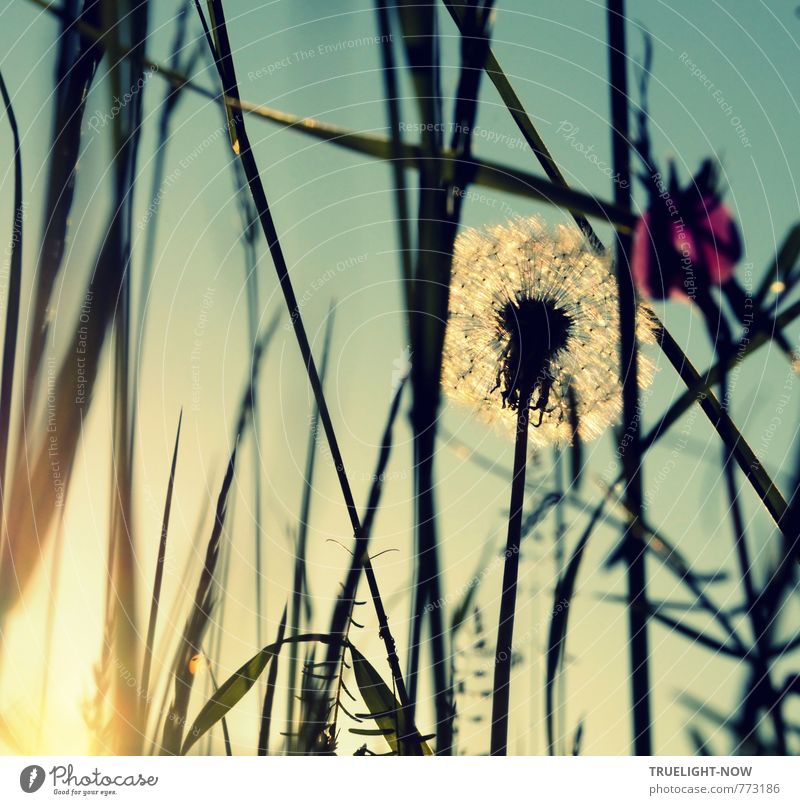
[687,240]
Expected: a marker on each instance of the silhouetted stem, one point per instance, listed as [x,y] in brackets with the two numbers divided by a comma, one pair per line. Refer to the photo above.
[630,447]
[501,692]
[765,693]
[224,61]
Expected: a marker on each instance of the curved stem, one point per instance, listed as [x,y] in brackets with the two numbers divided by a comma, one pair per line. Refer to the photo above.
[508,602]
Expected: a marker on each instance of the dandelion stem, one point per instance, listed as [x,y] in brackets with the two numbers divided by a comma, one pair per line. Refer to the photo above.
[508,600]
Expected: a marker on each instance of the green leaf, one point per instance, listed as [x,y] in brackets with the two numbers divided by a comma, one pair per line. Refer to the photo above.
[385,709]
[236,686]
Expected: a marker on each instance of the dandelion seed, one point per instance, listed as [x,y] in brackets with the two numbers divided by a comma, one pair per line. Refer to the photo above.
[533,309]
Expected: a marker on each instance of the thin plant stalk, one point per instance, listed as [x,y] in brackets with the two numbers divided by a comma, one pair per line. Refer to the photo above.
[269,694]
[76,64]
[620,217]
[488,174]
[299,583]
[223,56]
[501,690]
[249,239]
[12,312]
[391,91]
[157,582]
[722,340]
[341,620]
[169,104]
[441,195]
[630,448]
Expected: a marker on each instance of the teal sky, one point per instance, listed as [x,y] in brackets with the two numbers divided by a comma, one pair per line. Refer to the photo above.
[334,212]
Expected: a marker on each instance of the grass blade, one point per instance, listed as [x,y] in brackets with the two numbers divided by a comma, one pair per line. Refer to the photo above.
[227,75]
[157,581]
[315,721]
[238,684]
[12,311]
[78,57]
[299,591]
[630,444]
[269,695]
[557,638]
[196,624]
[758,477]
[226,736]
[485,173]
[400,734]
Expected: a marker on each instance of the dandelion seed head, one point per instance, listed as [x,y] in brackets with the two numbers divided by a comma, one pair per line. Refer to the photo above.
[534,310]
